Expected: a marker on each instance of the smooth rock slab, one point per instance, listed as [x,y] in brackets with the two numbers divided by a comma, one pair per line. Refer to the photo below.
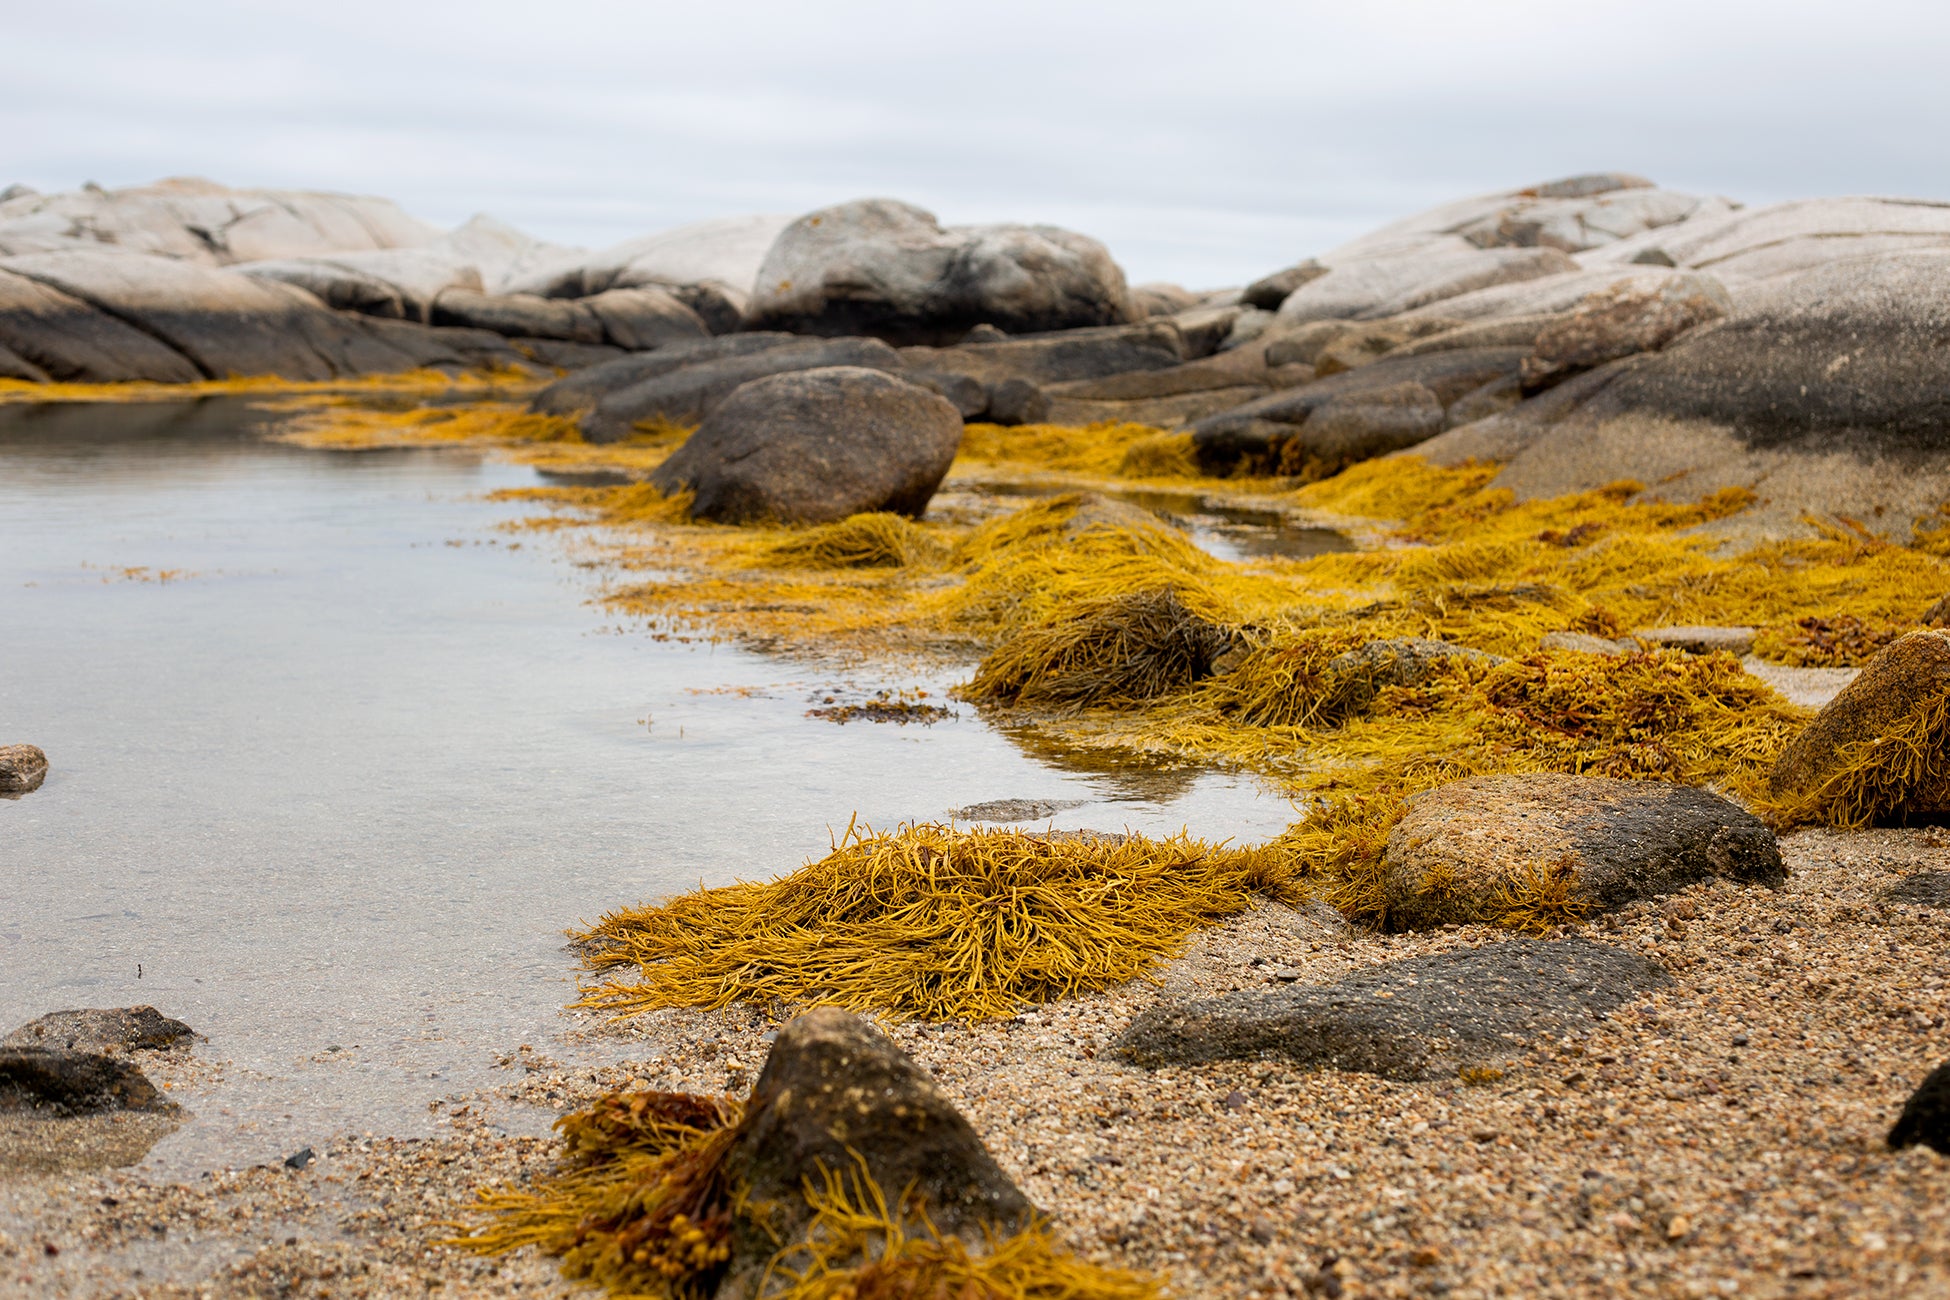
[836,1093]
[22,768]
[1463,846]
[1422,1018]
[103,1031]
[815,446]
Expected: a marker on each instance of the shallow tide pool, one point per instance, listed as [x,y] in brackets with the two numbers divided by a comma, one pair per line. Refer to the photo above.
[335,759]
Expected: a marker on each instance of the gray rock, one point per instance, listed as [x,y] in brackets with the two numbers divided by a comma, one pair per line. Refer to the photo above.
[1017,401]
[61,1082]
[67,339]
[1058,358]
[639,320]
[1927,888]
[1363,424]
[1903,682]
[1493,332]
[1620,321]
[397,283]
[1206,329]
[835,1094]
[1581,643]
[518,315]
[1697,640]
[581,391]
[1360,345]
[1159,299]
[1269,291]
[687,393]
[1462,848]
[1243,367]
[22,768]
[1751,245]
[1369,286]
[1421,1018]
[722,251]
[1015,810]
[885,268]
[968,395]
[103,1031]
[814,446]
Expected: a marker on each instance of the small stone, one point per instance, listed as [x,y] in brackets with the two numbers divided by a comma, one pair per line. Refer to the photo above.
[1925,1119]
[1697,640]
[300,1158]
[22,768]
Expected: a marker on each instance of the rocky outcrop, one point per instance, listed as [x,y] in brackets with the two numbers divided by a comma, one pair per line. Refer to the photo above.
[889,269]
[1621,321]
[723,251]
[1465,849]
[1875,751]
[1390,282]
[837,1095]
[1746,246]
[22,768]
[103,1031]
[815,446]
[581,391]
[1823,393]
[692,388]
[1269,291]
[203,223]
[1422,1018]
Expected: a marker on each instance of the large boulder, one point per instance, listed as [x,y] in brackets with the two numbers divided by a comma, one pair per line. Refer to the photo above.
[1468,850]
[1824,393]
[201,222]
[1419,1018]
[687,393]
[816,446]
[836,1096]
[1878,750]
[886,268]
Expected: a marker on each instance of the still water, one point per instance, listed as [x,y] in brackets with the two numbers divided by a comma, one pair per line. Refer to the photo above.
[335,759]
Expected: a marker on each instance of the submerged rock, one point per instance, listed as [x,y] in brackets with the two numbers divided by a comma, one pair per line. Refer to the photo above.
[104,1031]
[1877,749]
[1421,1018]
[62,1082]
[837,1095]
[886,268]
[22,768]
[1475,849]
[815,446]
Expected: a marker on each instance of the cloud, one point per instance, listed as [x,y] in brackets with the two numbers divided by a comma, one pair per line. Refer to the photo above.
[1205,143]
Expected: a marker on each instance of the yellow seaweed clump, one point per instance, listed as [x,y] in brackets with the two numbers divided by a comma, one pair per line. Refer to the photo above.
[929,921]
[871,541]
[1116,649]
[639,1202]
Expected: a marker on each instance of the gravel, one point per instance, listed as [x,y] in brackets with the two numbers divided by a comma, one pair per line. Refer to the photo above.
[1724,1136]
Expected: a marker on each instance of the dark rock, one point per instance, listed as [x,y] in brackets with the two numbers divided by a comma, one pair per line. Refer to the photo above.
[1269,291]
[1421,1018]
[1360,425]
[1621,321]
[300,1159]
[638,320]
[1938,614]
[815,446]
[1908,679]
[581,391]
[1058,358]
[22,768]
[69,340]
[1360,345]
[103,1031]
[969,396]
[1207,329]
[1927,888]
[565,354]
[1017,401]
[1587,185]
[1495,332]
[1464,847]
[1697,640]
[518,315]
[719,306]
[889,269]
[72,1083]
[689,393]
[836,1094]
[1239,368]
[1925,1120]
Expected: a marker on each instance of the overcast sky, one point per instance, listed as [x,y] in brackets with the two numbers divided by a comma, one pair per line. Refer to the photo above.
[1205,141]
